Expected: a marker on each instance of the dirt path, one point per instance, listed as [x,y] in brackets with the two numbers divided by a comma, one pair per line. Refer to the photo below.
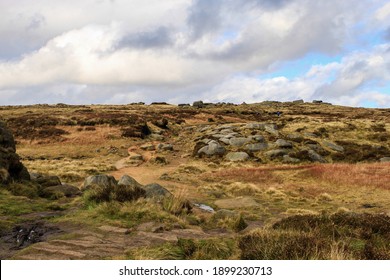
[108,242]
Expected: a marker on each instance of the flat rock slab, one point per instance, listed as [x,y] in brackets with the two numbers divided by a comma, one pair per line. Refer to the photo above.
[114,229]
[235,203]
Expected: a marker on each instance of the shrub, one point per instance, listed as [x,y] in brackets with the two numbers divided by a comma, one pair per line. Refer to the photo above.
[27,189]
[98,193]
[280,245]
[124,193]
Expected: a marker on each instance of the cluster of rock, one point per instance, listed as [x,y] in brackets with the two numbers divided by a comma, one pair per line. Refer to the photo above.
[105,188]
[260,142]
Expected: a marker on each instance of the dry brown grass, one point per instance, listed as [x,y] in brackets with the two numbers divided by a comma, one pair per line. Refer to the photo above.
[375,175]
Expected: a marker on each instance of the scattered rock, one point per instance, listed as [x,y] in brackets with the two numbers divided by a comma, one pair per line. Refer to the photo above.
[237,156]
[281,143]
[155,190]
[332,146]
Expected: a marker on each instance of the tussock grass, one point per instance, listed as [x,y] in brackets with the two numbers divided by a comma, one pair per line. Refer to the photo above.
[188,249]
[375,175]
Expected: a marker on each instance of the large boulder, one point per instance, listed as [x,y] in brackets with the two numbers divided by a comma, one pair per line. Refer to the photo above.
[10,166]
[127,180]
[105,181]
[155,191]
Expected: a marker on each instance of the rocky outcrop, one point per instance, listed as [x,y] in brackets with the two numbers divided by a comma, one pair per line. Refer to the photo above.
[10,166]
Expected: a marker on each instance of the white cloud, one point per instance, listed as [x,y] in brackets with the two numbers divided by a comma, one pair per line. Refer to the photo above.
[119,51]
[342,83]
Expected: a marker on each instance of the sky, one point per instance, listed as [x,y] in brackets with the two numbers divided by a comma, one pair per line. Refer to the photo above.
[180,51]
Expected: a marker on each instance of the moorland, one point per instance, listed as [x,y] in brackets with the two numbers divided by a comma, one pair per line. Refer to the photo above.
[271,180]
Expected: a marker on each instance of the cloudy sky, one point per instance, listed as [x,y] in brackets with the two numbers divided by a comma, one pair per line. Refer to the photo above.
[179,51]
